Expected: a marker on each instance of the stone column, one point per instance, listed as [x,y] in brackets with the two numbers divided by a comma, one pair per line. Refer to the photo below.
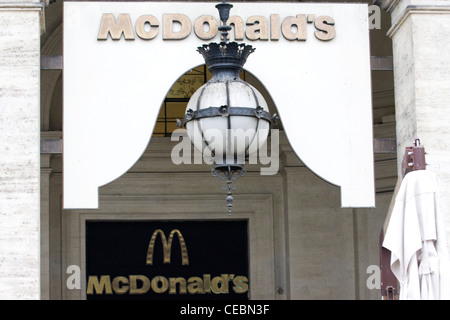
[420,36]
[46,173]
[21,25]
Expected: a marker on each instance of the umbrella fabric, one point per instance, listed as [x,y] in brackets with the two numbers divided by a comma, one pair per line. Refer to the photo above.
[417,239]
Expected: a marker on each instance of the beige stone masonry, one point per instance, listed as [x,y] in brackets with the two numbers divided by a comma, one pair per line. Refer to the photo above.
[20,30]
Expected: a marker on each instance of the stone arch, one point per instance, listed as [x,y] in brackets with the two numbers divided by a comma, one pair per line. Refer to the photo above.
[51,83]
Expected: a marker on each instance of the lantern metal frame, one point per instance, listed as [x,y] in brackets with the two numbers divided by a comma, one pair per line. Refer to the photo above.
[225,60]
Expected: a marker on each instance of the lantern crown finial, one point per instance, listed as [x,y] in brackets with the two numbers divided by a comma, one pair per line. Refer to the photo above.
[225,55]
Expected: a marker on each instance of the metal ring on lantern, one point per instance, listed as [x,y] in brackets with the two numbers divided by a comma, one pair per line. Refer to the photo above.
[231,111]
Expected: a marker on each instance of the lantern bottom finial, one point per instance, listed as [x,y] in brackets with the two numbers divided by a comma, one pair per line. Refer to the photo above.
[228,173]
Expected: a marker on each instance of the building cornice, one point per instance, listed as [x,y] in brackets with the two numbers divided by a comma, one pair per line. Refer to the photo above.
[400,10]
[419,9]
[26,6]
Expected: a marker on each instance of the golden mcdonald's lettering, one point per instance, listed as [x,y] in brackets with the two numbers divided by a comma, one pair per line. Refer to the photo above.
[176,26]
[167,246]
[141,284]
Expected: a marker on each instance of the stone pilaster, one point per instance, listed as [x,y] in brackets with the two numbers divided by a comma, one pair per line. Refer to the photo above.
[420,35]
[21,25]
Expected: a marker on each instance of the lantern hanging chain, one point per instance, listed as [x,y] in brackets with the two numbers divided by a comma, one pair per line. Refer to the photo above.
[227,85]
[224,13]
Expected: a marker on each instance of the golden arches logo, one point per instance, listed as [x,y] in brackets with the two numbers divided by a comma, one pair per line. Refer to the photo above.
[167,246]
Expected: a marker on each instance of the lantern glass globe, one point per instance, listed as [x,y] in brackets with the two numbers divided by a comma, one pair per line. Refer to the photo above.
[231,128]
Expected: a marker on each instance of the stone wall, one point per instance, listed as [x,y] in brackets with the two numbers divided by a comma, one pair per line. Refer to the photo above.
[20,29]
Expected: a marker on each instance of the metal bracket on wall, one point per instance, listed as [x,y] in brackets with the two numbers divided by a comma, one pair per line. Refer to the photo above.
[384,145]
[51,62]
[382,63]
[52,146]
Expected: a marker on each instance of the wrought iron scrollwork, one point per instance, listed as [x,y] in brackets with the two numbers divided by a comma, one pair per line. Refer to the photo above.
[229,174]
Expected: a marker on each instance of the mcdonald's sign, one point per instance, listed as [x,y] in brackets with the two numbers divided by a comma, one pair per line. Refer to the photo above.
[150,260]
[167,246]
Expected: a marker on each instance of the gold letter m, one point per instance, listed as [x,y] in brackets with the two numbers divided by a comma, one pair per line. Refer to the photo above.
[167,246]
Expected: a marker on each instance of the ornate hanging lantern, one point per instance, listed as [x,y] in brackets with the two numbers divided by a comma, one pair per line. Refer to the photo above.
[227,116]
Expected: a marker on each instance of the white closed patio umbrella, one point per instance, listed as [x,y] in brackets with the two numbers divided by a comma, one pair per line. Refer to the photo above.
[417,239]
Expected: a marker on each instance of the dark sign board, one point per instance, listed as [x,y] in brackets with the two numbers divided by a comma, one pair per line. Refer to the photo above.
[167,260]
